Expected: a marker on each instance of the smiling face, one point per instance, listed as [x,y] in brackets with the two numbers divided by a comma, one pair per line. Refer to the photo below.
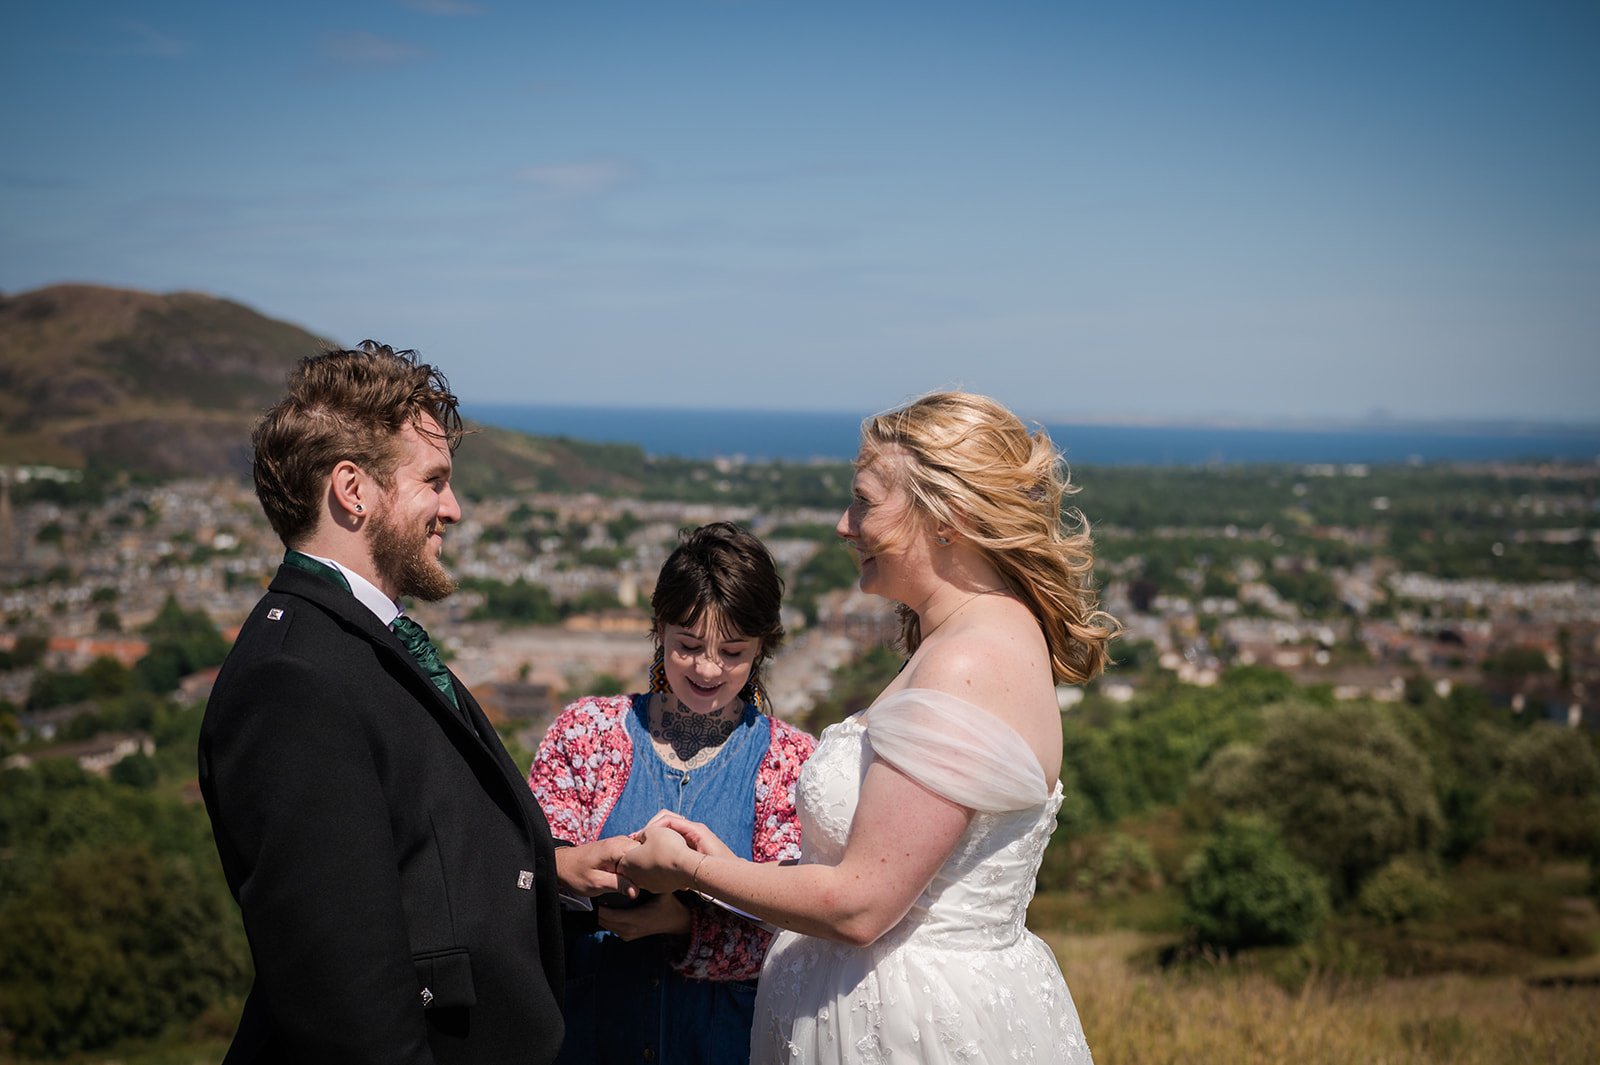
[707,668]
[881,527]
[407,531]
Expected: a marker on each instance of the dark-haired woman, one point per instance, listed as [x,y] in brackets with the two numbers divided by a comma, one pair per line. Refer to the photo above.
[672,979]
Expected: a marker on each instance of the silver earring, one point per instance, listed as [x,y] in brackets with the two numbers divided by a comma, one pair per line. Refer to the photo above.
[942,541]
[358,508]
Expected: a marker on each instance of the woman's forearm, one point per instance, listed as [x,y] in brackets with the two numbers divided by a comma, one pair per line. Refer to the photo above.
[825,901]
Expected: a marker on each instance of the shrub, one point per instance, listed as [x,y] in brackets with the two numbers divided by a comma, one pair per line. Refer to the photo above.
[1244,889]
[1552,762]
[1401,891]
[1524,832]
[1225,785]
[1119,866]
[138,770]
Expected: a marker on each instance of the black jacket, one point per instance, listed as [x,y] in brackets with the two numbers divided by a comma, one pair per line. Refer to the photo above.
[396,876]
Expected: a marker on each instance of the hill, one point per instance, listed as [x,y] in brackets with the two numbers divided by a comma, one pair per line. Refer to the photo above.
[167,385]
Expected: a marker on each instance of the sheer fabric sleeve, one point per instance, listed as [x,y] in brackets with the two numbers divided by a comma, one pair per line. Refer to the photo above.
[956,750]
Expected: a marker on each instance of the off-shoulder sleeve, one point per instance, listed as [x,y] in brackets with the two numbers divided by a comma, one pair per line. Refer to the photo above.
[957,750]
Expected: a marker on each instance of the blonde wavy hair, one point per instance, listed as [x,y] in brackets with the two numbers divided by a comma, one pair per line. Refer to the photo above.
[967,462]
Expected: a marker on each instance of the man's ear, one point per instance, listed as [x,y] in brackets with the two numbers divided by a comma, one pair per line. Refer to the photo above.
[351,492]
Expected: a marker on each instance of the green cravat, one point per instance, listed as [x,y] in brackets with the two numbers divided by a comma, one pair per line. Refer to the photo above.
[415,637]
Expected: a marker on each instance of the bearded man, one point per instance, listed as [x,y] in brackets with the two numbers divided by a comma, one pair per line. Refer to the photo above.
[398,882]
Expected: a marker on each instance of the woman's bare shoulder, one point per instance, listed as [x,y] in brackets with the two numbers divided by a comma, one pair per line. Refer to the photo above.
[999,671]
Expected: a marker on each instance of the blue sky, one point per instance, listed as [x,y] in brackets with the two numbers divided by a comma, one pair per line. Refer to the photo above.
[1171,210]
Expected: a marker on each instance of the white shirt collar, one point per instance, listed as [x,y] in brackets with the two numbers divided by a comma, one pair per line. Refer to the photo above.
[365,591]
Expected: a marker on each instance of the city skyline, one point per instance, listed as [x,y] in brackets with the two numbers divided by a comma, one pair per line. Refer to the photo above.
[1241,212]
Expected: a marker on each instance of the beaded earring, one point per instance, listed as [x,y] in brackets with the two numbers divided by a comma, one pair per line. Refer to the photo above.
[751,693]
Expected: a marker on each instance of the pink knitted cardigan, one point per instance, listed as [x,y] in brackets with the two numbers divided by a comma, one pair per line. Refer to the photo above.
[578,776]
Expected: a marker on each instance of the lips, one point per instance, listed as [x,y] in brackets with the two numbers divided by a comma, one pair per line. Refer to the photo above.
[702,689]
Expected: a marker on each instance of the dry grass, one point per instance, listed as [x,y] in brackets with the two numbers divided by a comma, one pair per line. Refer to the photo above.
[1139,1016]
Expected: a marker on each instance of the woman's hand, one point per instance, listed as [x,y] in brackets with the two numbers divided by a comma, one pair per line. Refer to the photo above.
[698,836]
[661,862]
[663,915]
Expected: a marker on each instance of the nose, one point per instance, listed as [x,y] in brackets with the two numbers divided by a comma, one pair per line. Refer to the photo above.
[449,506]
[842,526]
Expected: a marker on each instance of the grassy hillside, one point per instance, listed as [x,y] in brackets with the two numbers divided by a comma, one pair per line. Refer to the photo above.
[137,381]
[120,381]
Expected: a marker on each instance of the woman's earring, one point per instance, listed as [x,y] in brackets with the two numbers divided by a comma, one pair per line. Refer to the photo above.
[942,541]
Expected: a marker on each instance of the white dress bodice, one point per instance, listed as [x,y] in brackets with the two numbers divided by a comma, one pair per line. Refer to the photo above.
[960,978]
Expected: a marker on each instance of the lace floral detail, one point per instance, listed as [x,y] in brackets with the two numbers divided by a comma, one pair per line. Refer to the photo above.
[580,771]
[959,980]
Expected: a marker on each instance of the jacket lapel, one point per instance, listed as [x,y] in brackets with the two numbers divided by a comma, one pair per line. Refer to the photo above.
[349,610]
[356,617]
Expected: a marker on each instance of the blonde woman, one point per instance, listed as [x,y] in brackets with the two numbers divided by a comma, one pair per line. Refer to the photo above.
[926,815]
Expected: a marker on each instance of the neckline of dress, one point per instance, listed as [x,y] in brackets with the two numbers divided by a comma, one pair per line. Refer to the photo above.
[859,717]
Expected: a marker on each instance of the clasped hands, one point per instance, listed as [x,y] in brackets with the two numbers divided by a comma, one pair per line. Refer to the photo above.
[661,858]
[667,852]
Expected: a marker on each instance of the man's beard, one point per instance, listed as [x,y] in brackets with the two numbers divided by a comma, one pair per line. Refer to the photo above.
[406,562]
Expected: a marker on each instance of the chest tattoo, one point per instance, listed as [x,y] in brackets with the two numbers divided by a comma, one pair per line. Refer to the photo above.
[688,738]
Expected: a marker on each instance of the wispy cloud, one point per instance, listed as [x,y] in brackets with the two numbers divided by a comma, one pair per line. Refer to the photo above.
[575,179]
[444,7]
[359,48]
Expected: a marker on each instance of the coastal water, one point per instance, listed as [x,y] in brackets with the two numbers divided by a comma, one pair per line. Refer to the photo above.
[800,436]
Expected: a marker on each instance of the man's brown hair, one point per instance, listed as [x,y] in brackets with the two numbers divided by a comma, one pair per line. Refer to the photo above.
[342,404]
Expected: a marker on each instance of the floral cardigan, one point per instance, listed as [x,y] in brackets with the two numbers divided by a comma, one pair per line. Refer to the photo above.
[578,776]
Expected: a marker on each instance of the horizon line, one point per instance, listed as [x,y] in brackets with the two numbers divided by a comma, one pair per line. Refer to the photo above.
[1118,419]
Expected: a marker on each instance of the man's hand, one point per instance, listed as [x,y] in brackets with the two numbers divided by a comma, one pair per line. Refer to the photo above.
[590,869]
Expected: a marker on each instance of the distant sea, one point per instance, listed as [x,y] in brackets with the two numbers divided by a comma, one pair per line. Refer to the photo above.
[801,436]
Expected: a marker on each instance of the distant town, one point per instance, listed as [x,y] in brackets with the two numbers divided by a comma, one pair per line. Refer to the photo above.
[1361,580]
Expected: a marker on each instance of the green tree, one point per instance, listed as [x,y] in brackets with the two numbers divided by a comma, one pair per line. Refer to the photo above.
[1346,788]
[518,602]
[1243,888]
[117,944]
[831,567]
[107,677]
[53,687]
[181,642]
[27,652]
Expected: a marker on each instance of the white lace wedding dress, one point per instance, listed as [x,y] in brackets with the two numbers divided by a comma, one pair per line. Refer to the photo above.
[960,979]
